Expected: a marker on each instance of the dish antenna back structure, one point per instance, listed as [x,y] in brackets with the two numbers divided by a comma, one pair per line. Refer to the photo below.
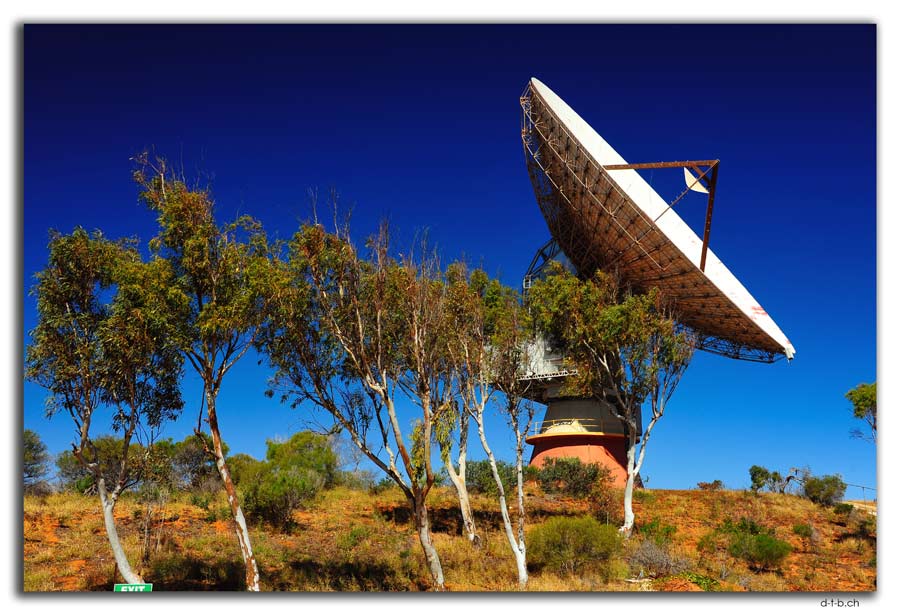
[603,215]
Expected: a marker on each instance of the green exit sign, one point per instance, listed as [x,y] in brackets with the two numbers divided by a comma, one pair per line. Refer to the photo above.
[133,587]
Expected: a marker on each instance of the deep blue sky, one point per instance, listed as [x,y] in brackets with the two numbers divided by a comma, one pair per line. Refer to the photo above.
[421,124]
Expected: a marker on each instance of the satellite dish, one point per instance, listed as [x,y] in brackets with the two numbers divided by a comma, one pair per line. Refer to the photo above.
[604,215]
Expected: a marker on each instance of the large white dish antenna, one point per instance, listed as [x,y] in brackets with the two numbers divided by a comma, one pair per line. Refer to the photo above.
[611,219]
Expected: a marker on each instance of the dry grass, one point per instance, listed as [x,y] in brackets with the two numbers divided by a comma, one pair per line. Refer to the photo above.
[355,541]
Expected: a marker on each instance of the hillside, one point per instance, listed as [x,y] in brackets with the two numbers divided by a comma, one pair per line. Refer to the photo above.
[353,540]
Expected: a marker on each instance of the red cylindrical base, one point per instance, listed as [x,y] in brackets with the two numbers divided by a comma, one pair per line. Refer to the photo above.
[608,451]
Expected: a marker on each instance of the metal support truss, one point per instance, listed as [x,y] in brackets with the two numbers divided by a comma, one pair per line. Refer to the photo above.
[707,178]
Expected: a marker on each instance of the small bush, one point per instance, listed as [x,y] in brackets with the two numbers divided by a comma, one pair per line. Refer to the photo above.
[748,540]
[716,485]
[705,583]
[709,542]
[201,500]
[568,476]
[605,502]
[760,551]
[656,560]
[658,532]
[803,530]
[573,545]
[356,535]
[278,492]
[745,525]
[825,490]
[843,509]
[480,479]
[383,485]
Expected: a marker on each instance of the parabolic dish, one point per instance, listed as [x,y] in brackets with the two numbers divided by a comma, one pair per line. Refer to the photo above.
[614,221]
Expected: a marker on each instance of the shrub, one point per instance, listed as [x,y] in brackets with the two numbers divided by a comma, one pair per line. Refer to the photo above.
[748,540]
[278,492]
[643,496]
[356,535]
[570,545]
[744,526]
[568,476]
[761,551]
[705,583]
[716,485]
[803,530]
[385,484]
[480,479]
[201,500]
[291,476]
[843,509]
[709,542]
[656,560]
[825,490]
[605,502]
[656,531]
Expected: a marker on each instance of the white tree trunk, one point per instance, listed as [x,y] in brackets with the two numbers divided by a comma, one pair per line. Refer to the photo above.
[465,506]
[517,546]
[112,534]
[423,527]
[629,487]
[251,576]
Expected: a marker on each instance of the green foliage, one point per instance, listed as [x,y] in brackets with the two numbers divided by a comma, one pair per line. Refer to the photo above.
[480,479]
[864,399]
[759,476]
[107,453]
[748,540]
[657,531]
[760,551]
[194,466]
[569,476]
[843,509]
[803,530]
[104,338]
[600,326]
[703,582]
[35,459]
[305,449]
[573,545]
[825,490]
[383,485]
[278,492]
[709,542]
[356,535]
[744,525]
[292,475]
[773,480]
[201,499]
[243,468]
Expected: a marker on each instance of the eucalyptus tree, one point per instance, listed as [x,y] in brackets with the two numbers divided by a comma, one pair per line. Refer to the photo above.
[864,399]
[103,342]
[220,275]
[510,335]
[483,349]
[628,350]
[352,335]
[35,460]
